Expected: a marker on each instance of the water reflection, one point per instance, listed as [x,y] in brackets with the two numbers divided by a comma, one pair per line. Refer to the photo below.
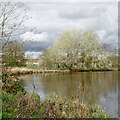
[91,87]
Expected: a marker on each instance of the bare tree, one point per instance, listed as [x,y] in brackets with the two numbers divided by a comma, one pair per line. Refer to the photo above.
[12,16]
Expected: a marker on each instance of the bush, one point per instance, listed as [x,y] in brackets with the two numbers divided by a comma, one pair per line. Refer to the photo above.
[11,84]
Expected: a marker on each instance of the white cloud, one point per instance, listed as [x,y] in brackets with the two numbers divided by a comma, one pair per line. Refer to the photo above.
[31,36]
[32,54]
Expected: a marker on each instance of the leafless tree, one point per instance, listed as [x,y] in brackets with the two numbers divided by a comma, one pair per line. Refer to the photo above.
[12,17]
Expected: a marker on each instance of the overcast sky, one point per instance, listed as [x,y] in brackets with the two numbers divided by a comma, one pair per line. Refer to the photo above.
[50,18]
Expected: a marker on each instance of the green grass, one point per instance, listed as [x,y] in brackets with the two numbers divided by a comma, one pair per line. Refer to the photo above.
[9,101]
[34,67]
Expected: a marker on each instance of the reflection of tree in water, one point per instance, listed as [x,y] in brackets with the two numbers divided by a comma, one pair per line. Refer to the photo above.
[87,88]
[93,84]
[86,85]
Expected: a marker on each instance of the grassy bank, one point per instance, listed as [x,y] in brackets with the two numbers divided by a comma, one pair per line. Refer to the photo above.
[34,69]
[29,106]
[17,103]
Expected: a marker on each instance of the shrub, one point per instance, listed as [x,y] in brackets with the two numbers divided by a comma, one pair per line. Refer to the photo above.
[11,84]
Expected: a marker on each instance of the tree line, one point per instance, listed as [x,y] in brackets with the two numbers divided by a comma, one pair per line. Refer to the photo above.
[77,49]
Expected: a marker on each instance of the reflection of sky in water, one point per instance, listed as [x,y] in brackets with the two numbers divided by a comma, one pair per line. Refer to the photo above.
[36,86]
[92,87]
[110,103]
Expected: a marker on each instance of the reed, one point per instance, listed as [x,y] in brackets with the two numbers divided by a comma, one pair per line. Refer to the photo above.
[18,71]
[29,106]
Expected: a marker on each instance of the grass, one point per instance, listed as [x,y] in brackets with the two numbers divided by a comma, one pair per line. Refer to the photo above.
[33,67]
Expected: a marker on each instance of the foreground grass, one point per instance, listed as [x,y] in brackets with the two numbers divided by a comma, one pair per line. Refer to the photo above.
[29,106]
[17,103]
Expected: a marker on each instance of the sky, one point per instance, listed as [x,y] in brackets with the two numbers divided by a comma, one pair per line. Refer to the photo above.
[51,18]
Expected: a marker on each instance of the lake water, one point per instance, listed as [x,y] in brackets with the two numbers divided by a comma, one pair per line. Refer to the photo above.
[90,87]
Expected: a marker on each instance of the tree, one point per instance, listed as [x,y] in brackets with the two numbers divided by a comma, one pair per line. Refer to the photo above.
[76,46]
[75,49]
[90,44]
[13,54]
[29,61]
[67,46]
[45,60]
[12,16]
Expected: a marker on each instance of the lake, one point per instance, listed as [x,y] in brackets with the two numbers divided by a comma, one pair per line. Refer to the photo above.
[90,87]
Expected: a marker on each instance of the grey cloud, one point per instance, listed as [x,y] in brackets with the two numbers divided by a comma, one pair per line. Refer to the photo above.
[39,45]
[111,40]
[36,46]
